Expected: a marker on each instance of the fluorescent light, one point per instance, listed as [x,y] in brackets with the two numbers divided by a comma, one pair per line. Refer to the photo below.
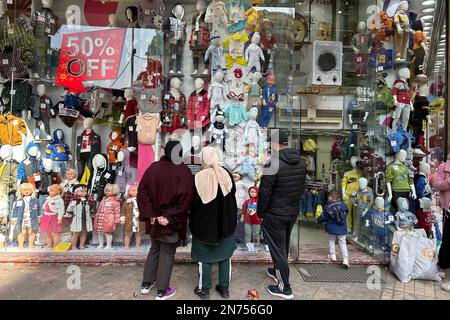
[427,17]
[428,3]
[427,28]
[428,10]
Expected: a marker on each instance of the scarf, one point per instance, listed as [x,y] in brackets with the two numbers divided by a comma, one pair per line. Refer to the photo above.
[211,176]
[87,142]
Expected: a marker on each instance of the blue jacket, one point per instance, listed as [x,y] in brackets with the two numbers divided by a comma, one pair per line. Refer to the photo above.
[18,210]
[29,166]
[57,150]
[270,96]
[333,227]
[401,139]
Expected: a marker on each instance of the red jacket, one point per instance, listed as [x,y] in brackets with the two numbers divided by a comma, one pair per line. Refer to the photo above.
[131,109]
[249,209]
[198,106]
[401,90]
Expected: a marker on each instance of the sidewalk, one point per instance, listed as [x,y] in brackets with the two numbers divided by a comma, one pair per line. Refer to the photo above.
[42,281]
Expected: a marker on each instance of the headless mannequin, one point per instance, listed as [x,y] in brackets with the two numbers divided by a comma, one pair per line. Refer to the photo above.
[348,186]
[402,99]
[354,112]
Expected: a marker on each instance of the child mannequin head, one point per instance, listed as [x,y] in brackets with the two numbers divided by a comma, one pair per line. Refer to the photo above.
[54,190]
[111,190]
[333,196]
[133,190]
[253,192]
[80,190]
[26,189]
[71,174]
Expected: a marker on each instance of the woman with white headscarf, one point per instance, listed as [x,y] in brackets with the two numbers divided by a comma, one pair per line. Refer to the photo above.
[212,222]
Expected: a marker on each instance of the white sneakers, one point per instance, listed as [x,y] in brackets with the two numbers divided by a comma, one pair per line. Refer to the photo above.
[332,257]
[250,247]
[345,263]
[446,286]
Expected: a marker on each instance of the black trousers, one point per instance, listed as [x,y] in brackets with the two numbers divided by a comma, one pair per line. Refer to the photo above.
[277,234]
[444,251]
[84,161]
[131,132]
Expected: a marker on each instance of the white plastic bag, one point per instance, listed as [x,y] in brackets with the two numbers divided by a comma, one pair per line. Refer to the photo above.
[403,254]
[425,266]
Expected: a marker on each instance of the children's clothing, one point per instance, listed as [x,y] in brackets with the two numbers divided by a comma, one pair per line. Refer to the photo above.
[81,210]
[53,212]
[130,212]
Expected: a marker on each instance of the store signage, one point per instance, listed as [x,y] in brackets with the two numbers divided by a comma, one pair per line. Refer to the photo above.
[89,56]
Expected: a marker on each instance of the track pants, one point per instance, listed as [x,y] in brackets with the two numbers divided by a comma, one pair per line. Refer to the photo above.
[205,270]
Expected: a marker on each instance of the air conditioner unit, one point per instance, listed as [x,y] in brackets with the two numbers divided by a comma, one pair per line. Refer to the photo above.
[327,65]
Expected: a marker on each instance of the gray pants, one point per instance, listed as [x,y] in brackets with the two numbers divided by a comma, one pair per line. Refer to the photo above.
[159,264]
[252,232]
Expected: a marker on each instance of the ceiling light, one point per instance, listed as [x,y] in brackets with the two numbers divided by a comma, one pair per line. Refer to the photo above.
[428,10]
[427,17]
[428,3]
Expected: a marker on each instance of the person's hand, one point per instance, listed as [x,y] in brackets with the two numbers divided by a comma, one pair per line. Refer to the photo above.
[152,221]
[413,195]
[242,219]
[4,220]
[389,198]
[399,30]
[163,221]
[356,50]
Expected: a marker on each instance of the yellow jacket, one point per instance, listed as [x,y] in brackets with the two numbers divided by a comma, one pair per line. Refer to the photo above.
[350,181]
[235,45]
[11,128]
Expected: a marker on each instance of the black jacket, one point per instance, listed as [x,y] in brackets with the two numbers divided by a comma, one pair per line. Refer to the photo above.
[280,193]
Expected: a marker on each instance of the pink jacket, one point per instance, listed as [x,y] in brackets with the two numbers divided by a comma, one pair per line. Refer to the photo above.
[441,182]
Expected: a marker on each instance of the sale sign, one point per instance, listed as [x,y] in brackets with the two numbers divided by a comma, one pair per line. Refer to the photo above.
[89,56]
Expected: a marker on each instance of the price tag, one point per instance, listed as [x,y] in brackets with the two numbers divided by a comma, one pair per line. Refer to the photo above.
[147,12]
[102,95]
[19,203]
[52,112]
[174,56]
[43,106]
[114,148]
[394,143]
[107,204]
[52,21]
[395,168]
[5,61]
[130,128]
[391,218]
[107,175]
[97,178]
[61,105]
[49,52]
[200,99]
[47,101]
[167,96]
[401,216]
[47,30]
[371,133]
[143,96]
[15,122]
[37,177]
[355,126]
[12,92]
[27,162]
[10,31]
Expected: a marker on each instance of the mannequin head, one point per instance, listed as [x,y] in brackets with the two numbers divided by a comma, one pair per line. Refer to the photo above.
[113,20]
[271,80]
[6,152]
[99,161]
[424,168]
[214,37]
[256,39]
[256,77]
[114,135]
[198,84]
[26,189]
[220,116]
[423,90]
[359,91]
[47,163]
[425,204]
[73,15]
[362,183]
[362,27]
[41,89]
[401,156]
[200,6]
[71,174]
[131,13]
[175,83]
[88,123]
[178,11]
[80,190]
[403,6]
[133,190]
[33,151]
[196,142]
[3,8]
[402,204]
[54,190]
[111,190]
[218,77]
[404,73]
[120,156]
[379,203]
[129,93]
[60,134]
[354,161]
[253,113]
[47,3]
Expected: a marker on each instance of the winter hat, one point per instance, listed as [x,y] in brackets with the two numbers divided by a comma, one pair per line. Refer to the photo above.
[79,187]
[171,149]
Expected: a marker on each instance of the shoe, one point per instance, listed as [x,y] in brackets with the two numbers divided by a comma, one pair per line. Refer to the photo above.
[446,286]
[202,293]
[147,286]
[166,294]
[224,293]
[275,291]
[345,263]
[194,72]
[266,247]
[332,257]
[99,247]
[271,274]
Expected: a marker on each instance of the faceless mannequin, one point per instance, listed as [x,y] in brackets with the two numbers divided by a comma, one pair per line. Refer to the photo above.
[214,55]
[254,54]
[59,134]
[362,200]
[254,90]
[173,114]
[402,99]
[198,105]
[199,40]
[252,131]
[196,144]
[399,168]
[47,3]
[175,85]
[349,185]
[199,84]
[73,16]
[113,20]
[379,203]
[424,168]
[361,45]
[362,183]
[120,156]
[177,34]
[404,218]
[216,93]
[33,151]
[88,145]
[88,124]
[114,135]
[6,152]
[131,14]
[402,27]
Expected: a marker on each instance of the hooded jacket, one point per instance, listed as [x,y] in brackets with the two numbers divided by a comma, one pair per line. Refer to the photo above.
[58,150]
[100,178]
[441,182]
[384,101]
[249,208]
[280,193]
[176,27]
[11,128]
[114,146]
[29,166]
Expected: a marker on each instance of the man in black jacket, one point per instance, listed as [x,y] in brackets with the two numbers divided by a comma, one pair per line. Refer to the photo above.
[281,188]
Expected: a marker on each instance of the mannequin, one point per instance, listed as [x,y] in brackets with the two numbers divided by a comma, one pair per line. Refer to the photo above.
[130,111]
[349,185]
[26,203]
[150,13]
[125,174]
[404,219]
[45,179]
[88,145]
[235,111]
[176,29]
[402,99]
[216,14]
[399,183]
[199,41]
[173,114]
[42,112]
[254,90]
[148,125]
[59,152]
[70,180]
[216,93]
[31,166]
[268,43]
[361,47]
[425,217]
[252,131]
[420,49]
[269,101]
[421,116]
[100,178]
[113,20]
[383,97]
[235,45]
[198,107]
[423,187]
[214,54]
[386,28]
[131,14]
[402,28]
[362,200]
[357,109]
[218,131]
[250,163]
[114,147]
[380,220]
[45,23]
[254,54]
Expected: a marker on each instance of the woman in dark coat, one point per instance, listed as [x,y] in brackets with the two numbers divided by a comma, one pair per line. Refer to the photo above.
[212,222]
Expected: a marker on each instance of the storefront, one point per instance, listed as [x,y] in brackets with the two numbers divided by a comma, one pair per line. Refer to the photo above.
[354,82]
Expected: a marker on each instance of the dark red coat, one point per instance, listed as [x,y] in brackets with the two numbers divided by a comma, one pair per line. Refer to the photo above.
[165,190]
[198,106]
